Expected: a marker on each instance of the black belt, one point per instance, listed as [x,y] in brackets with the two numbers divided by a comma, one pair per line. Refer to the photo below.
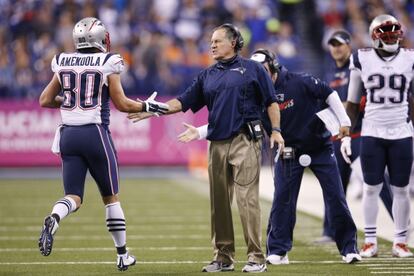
[243,130]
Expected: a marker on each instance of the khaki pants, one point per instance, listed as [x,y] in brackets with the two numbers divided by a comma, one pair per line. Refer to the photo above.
[234,165]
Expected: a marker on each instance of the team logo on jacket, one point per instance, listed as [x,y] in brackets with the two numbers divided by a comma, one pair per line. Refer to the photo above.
[241,70]
[287,104]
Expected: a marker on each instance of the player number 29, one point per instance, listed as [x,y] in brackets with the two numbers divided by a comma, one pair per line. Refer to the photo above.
[396,82]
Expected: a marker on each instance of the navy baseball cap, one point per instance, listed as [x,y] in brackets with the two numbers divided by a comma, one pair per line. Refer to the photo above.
[341,36]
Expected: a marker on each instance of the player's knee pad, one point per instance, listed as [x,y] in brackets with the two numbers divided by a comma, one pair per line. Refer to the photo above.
[372,190]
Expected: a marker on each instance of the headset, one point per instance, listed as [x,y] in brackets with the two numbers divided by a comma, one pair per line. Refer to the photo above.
[236,35]
[270,58]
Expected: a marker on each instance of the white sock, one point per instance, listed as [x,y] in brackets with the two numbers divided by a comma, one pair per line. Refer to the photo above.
[370,197]
[115,221]
[64,206]
[401,213]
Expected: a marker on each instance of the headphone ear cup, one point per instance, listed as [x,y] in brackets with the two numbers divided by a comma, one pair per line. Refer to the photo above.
[237,35]
[240,41]
[274,65]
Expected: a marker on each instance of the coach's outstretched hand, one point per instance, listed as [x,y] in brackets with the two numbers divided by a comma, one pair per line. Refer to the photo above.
[190,134]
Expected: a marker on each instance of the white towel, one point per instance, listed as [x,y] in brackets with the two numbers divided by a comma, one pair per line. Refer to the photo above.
[56,141]
[330,120]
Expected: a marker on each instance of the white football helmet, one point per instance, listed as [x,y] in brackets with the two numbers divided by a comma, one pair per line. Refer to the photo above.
[91,33]
[386,33]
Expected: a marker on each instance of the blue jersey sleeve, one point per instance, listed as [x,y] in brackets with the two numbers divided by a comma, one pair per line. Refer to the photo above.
[318,89]
[193,96]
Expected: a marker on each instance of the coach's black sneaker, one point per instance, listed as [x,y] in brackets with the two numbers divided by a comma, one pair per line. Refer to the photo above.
[216,266]
[46,236]
[124,261]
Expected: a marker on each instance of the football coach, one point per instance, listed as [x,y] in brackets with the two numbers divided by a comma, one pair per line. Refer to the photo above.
[235,90]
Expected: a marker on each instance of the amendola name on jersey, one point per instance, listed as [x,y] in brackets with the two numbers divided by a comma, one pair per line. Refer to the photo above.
[387,84]
[84,83]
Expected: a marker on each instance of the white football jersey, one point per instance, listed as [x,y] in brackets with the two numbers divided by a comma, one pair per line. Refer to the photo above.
[387,83]
[84,83]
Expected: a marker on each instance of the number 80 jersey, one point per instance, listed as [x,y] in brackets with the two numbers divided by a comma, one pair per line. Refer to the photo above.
[84,82]
[387,84]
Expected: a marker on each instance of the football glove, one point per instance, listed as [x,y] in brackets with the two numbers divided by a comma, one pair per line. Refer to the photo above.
[152,106]
[346,149]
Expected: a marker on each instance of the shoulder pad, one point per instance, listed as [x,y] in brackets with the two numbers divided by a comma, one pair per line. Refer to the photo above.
[115,61]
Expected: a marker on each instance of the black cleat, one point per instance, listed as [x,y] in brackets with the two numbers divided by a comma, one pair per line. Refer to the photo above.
[46,236]
[124,261]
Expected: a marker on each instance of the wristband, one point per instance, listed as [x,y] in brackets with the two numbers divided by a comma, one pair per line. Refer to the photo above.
[277,129]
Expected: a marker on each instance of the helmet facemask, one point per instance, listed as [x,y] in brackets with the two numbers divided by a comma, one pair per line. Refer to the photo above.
[387,36]
[107,42]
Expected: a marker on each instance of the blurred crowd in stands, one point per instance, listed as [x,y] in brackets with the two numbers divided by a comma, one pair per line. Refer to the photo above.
[166,42]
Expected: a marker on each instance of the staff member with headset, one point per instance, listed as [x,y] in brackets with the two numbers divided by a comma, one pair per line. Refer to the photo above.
[308,143]
[235,91]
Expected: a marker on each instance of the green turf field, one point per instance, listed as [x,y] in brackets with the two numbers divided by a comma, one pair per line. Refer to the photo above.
[167,230]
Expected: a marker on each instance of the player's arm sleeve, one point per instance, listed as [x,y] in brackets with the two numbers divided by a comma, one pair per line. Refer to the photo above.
[193,97]
[355,87]
[338,108]
[202,131]
[54,63]
[355,80]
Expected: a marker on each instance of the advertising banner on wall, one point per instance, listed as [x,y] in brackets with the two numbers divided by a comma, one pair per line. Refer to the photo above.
[27,132]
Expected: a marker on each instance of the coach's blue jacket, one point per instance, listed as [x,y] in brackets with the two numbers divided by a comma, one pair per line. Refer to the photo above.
[300,97]
[235,92]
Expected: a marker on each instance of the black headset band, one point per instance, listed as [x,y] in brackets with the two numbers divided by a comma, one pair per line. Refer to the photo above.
[270,59]
[236,35]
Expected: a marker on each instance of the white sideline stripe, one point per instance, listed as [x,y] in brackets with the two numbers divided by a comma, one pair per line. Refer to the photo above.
[393,268]
[402,264]
[143,262]
[94,227]
[69,249]
[184,262]
[392,272]
[193,217]
[103,262]
[102,237]
[372,261]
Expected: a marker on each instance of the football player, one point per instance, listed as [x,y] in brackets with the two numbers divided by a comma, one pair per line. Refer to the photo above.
[385,71]
[81,87]
[337,76]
